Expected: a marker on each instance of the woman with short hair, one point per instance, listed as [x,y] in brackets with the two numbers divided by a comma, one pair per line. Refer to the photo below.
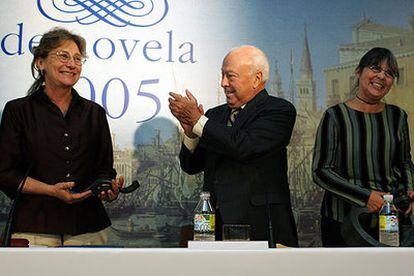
[63,143]
[362,148]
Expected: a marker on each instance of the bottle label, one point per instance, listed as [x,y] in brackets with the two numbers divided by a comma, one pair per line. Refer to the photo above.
[204,222]
[388,223]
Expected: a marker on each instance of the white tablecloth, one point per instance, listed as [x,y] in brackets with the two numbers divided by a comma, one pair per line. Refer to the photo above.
[125,262]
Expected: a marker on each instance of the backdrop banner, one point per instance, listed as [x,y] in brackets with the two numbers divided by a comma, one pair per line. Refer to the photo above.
[138,51]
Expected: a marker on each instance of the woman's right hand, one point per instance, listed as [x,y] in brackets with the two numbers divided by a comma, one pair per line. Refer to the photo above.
[375,201]
[62,191]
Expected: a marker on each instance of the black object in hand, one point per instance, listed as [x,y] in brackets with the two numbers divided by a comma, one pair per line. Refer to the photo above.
[401,200]
[100,185]
[103,185]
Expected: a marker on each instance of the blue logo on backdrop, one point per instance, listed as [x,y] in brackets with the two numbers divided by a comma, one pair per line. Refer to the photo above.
[118,13]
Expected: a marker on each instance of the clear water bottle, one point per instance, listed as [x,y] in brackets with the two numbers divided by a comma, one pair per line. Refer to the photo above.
[204,219]
[388,223]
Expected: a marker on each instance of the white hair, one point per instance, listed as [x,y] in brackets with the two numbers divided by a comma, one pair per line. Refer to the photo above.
[256,58]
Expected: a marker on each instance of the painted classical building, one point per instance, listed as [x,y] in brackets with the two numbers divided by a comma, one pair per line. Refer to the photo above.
[123,162]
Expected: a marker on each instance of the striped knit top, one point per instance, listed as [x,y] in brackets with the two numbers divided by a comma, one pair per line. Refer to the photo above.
[356,152]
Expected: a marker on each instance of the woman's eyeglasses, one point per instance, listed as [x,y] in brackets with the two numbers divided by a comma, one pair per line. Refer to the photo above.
[377,69]
[65,57]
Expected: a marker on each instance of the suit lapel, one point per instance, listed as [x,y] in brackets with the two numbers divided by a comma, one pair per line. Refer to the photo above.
[221,115]
[250,108]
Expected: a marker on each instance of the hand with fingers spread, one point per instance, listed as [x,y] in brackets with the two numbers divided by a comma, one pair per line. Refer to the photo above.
[62,191]
[185,108]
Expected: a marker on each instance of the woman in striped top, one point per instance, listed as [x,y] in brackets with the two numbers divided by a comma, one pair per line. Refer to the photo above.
[362,148]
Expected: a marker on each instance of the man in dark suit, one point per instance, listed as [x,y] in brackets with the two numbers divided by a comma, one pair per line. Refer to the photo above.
[241,148]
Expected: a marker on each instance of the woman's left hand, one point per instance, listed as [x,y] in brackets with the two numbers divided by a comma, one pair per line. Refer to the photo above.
[112,194]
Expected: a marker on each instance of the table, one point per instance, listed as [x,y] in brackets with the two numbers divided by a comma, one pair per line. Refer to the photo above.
[183,261]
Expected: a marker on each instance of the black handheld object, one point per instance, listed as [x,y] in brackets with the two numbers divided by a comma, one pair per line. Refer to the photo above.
[353,232]
[130,188]
[102,185]
[401,199]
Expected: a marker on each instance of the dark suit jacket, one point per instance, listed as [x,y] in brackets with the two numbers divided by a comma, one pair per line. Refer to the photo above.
[246,165]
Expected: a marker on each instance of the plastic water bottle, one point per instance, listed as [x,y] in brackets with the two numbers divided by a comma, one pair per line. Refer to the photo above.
[388,223]
[204,219]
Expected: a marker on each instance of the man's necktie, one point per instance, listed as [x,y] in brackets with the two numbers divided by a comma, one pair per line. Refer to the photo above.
[233,116]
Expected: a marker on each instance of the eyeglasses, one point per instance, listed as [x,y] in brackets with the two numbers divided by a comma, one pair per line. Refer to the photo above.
[65,57]
[377,69]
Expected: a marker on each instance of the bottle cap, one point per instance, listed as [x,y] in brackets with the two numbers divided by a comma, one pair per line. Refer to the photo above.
[388,198]
[205,194]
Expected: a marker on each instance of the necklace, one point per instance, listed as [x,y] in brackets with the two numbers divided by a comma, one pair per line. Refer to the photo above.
[365,101]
